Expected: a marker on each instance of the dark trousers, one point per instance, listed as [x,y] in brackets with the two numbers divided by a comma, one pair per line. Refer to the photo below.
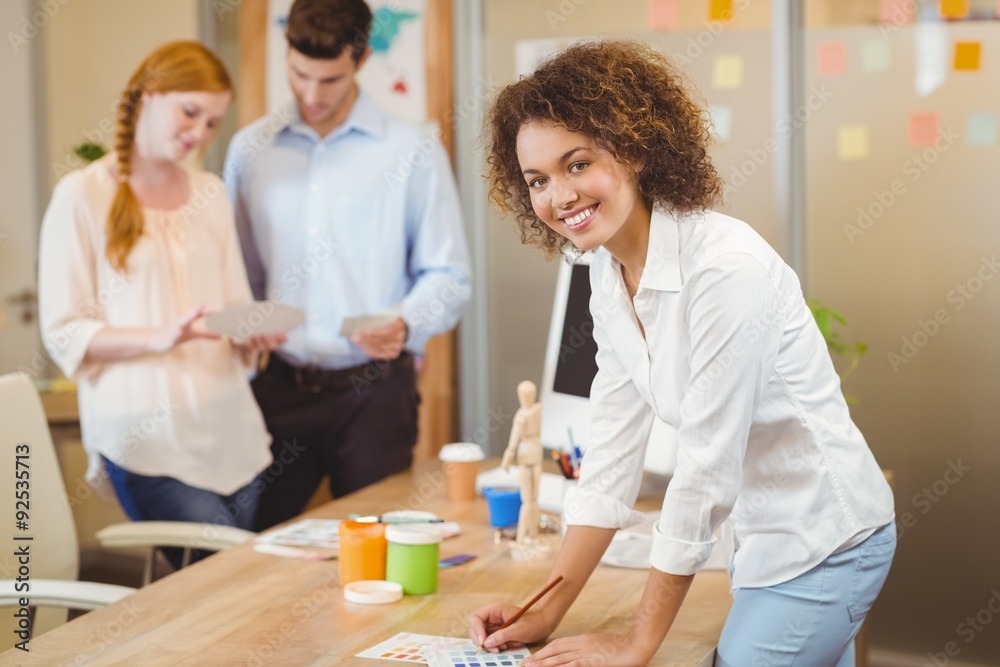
[355,432]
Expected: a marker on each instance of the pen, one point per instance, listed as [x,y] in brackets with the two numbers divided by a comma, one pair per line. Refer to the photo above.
[523,609]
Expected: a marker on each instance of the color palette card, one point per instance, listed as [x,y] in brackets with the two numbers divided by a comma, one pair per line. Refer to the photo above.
[470,655]
[409,647]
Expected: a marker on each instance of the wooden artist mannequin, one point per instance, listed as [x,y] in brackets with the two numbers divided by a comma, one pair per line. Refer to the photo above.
[526,444]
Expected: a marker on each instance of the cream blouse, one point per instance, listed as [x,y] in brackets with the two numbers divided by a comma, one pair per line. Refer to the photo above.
[187,414]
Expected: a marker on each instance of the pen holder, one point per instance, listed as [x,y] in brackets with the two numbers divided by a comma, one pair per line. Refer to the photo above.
[412,558]
[504,504]
[362,551]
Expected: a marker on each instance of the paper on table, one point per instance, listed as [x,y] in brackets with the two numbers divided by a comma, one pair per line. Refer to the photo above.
[470,655]
[321,533]
[408,647]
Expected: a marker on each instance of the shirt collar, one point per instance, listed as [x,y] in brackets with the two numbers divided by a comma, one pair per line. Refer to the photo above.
[662,271]
[365,116]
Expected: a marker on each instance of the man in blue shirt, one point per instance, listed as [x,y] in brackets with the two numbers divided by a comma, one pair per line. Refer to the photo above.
[343,212]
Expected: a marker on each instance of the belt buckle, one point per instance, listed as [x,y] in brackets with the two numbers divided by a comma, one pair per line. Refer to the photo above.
[302,385]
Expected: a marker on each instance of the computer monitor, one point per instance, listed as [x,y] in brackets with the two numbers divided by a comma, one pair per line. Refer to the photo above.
[570,367]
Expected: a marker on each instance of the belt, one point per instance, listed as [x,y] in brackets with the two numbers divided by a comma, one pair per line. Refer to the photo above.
[312,379]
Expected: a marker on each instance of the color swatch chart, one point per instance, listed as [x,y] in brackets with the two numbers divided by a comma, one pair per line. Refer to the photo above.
[408,647]
[470,655]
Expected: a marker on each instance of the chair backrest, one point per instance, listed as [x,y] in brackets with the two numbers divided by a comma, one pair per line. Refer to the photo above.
[53,551]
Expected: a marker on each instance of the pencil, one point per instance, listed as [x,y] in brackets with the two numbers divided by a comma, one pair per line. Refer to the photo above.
[520,612]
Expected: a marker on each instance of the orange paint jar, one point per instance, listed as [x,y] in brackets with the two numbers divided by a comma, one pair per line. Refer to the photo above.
[362,551]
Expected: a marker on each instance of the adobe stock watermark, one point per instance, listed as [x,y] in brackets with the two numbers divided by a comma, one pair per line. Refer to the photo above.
[929,496]
[789,123]
[914,167]
[562,13]
[968,630]
[31,25]
[959,297]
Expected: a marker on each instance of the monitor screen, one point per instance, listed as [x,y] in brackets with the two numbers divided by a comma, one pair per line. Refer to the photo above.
[570,367]
[577,363]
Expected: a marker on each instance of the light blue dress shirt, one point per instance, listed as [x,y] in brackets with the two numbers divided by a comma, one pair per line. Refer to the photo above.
[366,219]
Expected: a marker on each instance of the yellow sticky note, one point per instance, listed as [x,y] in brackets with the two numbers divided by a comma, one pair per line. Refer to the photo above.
[831,57]
[967,56]
[662,14]
[852,142]
[728,72]
[720,10]
[954,9]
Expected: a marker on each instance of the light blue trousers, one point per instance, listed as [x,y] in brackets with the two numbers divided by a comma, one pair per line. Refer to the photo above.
[811,620]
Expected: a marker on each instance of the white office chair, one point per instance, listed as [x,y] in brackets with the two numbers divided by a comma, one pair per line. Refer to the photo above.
[48,520]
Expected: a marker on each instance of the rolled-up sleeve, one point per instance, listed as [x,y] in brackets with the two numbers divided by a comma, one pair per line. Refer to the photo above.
[621,422]
[736,317]
[438,254]
[70,312]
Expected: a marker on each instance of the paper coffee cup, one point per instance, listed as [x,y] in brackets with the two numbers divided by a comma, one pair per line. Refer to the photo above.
[460,462]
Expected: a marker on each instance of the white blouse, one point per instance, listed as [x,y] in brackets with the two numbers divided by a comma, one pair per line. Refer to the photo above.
[734,361]
[187,414]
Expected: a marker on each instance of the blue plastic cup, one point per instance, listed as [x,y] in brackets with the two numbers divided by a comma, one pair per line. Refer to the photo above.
[504,504]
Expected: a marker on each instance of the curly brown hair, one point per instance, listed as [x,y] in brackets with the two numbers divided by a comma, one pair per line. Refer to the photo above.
[632,102]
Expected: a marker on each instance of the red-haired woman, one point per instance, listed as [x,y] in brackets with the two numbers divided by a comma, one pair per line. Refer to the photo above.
[135,248]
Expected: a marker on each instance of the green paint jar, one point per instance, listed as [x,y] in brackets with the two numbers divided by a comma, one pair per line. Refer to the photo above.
[412,557]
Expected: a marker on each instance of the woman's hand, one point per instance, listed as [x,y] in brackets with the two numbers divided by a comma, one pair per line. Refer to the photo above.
[166,339]
[606,650]
[260,342]
[532,627]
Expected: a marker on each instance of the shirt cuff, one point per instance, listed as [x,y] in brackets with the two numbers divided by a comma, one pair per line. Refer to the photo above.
[586,507]
[678,557]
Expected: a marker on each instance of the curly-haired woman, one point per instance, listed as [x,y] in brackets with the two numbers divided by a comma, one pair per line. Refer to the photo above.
[700,323]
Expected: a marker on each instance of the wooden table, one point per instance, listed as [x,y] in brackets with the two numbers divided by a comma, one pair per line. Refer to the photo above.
[243,608]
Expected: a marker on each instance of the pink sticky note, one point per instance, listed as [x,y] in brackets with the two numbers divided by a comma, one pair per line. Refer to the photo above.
[662,14]
[923,129]
[896,12]
[832,58]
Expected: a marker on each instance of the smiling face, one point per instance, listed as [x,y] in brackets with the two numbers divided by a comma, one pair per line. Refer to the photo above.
[579,189]
[324,88]
[173,124]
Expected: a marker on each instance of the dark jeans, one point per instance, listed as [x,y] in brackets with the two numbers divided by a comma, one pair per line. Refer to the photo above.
[356,434]
[166,499]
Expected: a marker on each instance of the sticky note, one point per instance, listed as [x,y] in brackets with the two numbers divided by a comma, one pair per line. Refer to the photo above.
[981,129]
[728,72]
[852,142]
[967,56]
[662,14]
[722,120]
[876,55]
[923,129]
[895,12]
[832,58]
[720,10]
[954,9]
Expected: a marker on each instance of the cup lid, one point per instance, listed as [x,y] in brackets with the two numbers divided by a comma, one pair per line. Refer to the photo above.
[373,592]
[412,534]
[458,452]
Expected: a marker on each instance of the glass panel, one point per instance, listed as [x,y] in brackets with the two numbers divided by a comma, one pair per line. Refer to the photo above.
[902,238]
